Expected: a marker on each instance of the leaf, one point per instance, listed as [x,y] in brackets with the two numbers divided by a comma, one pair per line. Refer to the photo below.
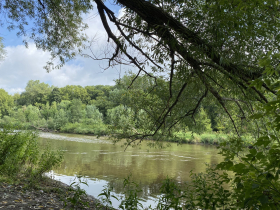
[260,155]
[239,185]
[246,202]
[269,176]
[253,151]
[263,199]
[254,186]
[256,116]
[239,168]
[115,197]
[262,141]
[225,165]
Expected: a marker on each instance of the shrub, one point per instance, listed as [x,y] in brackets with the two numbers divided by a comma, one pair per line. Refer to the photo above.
[20,155]
[81,128]
[70,127]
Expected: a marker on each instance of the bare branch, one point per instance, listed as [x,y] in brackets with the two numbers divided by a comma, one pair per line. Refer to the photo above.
[217,96]
[192,111]
[41,4]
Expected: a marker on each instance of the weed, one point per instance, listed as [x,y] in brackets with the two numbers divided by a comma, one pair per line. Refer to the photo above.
[76,194]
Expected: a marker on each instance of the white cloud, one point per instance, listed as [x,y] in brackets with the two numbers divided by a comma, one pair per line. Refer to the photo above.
[24,64]
[121,12]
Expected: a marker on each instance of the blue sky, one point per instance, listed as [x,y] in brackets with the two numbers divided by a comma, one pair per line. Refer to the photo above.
[23,64]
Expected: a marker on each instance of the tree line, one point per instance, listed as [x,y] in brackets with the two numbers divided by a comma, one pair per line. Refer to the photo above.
[100,109]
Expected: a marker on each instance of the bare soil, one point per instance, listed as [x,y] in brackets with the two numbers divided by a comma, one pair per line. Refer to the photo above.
[49,194]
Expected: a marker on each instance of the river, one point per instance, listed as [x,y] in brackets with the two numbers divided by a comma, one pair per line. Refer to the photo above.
[103,163]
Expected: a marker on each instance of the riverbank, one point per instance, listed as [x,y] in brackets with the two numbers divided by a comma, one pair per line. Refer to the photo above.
[46,194]
[211,138]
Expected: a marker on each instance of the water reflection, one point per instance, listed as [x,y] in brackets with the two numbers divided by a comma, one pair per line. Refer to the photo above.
[106,164]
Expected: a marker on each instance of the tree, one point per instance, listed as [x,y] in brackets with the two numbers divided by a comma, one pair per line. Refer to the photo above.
[60,119]
[93,116]
[19,115]
[35,92]
[199,44]
[122,118]
[16,97]
[55,95]
[32,114]
[70,92]
[203,123]
[48,111]
[93,92]
[77,110]
[6,103]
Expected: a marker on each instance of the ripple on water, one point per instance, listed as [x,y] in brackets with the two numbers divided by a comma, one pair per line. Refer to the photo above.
[98,150]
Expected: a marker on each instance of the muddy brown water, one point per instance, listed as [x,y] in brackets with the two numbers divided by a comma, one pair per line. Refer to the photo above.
[103,163]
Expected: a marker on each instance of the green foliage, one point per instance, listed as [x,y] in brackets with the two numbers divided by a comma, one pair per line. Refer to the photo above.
[100,98]
[256,179]
[172,195]
[122,118]
[60,119]
[256,168]
[48,111]
[129,201]
[208,191]
[76,194]
[203,123]
[16,150]
[71,92]
[93,116]
[46,162]
[64,104]
[77,110]
[20,156]
[55,95]
[208,51]
[19,115]
[56,27]
[6,102]
[81,128]
[32,113]
[35,92]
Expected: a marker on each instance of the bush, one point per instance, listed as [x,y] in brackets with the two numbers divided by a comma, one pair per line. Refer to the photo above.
[20,155]
[70,127]
[81,128]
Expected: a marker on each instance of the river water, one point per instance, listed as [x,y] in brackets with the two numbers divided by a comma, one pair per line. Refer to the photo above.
[103,163]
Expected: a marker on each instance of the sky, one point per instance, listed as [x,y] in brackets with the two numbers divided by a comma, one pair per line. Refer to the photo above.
[23,64]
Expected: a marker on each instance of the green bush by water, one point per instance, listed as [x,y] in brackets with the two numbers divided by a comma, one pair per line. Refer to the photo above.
[82,128]
[20,156]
